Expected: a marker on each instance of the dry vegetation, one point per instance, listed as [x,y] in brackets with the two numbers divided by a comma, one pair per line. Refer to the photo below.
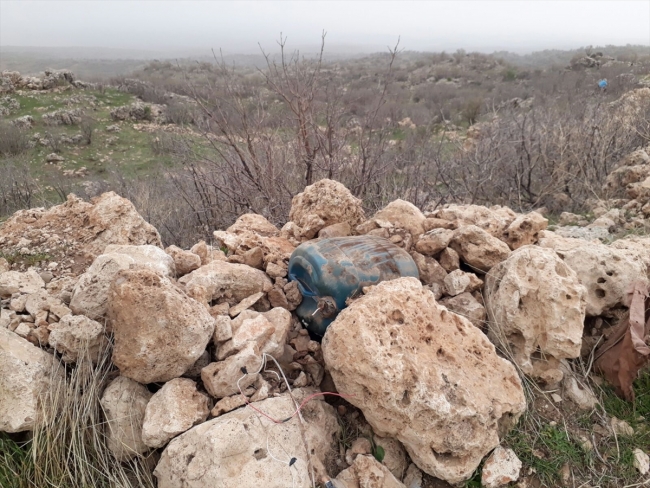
[429,128]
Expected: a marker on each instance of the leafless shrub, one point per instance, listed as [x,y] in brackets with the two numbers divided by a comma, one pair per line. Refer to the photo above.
[13,140]
[87,127]
[18,189]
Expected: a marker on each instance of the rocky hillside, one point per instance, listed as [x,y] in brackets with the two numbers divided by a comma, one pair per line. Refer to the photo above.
[480,373]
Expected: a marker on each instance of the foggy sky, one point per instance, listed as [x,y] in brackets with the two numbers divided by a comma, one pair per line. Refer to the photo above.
[237,27]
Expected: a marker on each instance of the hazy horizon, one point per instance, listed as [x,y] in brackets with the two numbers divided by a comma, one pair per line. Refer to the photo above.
[194,28]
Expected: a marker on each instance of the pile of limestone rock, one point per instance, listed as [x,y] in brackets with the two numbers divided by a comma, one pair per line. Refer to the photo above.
[213,362]
[12,81]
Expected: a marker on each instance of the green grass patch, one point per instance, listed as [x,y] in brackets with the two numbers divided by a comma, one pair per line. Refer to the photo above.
[16,464]
[26,259]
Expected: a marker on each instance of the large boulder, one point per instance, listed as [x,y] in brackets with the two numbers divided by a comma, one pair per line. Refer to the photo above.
[242,448]
[90,294]
[175,408]
[27,374]
[222,281]
[606,271]
[322,204]
[423,375]
[124,402]
[159,331]
[535,302]
[478,248]
[76,232]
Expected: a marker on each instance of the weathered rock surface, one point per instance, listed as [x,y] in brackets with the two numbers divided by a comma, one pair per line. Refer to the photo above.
[524,230]
[420,374]
[268,330]
[236,449]
[90,294]
[402,215]
[534,300]
[77,232]
[366,472]
[493,220]
[184,261]
[394,456]
[434,241]
[322,204]
[458,282]
[606,271]
[429,269]
[501,468]
[159,331]
[220,378]
[478,248]
[254,223]
[175,408]
[466,306]
[26,374]
[124,402]
[15,282]
[224,281]
[78,337]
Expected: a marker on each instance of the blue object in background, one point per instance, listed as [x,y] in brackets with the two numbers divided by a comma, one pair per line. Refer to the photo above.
[602,84]
[329,271]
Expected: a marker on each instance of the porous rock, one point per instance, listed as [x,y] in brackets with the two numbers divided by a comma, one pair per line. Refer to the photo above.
[466,306]
[237,449]
[184,261]
[402,215]
[434,241]
[90,293]
[229,282]
[342,229]
[268,330]
[449,260]
[175,408]
[124,402]
[534,300]
[429,269]
[394,455]
[322,204]
[159,331]
[501,468]
[478,248]
[524,230]
[26,374]
[606,271]
[78,337]
[16,282]
[78,231]
[492,220]
[224,378]
[366,472]
[254,223]
[420,374]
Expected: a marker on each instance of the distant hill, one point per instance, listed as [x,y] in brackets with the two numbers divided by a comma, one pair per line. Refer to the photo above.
[555,57]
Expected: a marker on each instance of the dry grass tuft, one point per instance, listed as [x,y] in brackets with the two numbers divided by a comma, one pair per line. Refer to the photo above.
[69,449]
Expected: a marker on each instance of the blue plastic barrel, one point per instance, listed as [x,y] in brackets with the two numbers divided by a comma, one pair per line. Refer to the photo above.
[330,271]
